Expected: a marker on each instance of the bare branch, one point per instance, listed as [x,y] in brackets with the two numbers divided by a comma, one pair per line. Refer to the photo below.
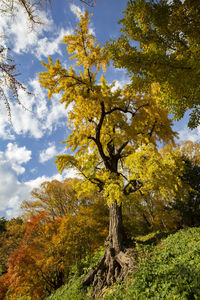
[90,3]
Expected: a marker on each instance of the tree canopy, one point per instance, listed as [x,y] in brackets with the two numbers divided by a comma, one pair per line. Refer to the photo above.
[160,43]
[108,125]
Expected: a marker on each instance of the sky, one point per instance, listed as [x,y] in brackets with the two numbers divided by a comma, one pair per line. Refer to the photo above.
[28,147]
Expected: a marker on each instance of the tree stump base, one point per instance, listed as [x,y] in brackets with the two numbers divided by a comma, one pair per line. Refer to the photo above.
[113,267]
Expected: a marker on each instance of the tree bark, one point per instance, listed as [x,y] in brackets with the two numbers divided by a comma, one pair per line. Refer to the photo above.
[116,231]
[117,261]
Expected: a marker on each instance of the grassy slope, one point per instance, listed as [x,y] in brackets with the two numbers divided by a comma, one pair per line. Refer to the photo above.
[171,270]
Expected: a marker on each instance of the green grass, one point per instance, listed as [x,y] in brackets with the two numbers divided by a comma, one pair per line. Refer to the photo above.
[170,270]
[71,291]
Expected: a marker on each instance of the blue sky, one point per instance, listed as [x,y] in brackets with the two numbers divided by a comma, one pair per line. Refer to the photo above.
[28,148]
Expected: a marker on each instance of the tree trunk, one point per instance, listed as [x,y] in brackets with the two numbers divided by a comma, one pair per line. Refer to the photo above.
[116,231]
[117,261]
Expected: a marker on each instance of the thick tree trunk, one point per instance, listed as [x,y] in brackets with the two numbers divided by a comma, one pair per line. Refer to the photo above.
[117,261]
[116,231]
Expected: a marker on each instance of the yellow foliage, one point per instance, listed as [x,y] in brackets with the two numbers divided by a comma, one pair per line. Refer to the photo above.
[114,132]
[160,170]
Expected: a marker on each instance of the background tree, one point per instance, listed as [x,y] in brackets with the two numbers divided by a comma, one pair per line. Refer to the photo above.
[2,225]
[160,43]
[56,198]
[10,239]
[189,209]
[50,247]
[27,272]
[172,212]
[113,134]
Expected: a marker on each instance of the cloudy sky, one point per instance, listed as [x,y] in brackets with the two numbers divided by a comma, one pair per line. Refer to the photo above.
[28,147]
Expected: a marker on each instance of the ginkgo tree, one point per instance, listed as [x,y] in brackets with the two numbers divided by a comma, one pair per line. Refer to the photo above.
[114,134]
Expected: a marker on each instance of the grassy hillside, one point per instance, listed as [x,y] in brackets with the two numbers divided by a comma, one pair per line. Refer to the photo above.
[170,270]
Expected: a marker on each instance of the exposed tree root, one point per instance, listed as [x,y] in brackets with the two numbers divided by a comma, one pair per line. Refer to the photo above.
[111,268]
[117,261]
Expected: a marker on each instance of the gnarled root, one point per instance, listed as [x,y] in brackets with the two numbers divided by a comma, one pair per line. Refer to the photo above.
[111,268]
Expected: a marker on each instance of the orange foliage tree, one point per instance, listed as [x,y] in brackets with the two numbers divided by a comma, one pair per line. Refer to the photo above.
[10,239]
[50,247]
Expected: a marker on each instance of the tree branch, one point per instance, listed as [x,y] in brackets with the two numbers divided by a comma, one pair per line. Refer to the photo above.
[90,3]
[85,50]
[121,148]
[94,180]
[152,129]
[98,134]
[111,162]
[76,78]
[126,110]
[132,186]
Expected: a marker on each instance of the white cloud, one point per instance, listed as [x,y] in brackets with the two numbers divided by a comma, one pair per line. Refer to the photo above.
[17,156]
[120,84]
[48,153]
[44,116]
[188,134]
[13,192]
[46,47]
[17,29]
[71,173]
[24,40]
[76,10]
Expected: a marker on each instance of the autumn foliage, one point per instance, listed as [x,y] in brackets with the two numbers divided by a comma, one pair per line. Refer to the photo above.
[49,248]
[40,252]
[131,185]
